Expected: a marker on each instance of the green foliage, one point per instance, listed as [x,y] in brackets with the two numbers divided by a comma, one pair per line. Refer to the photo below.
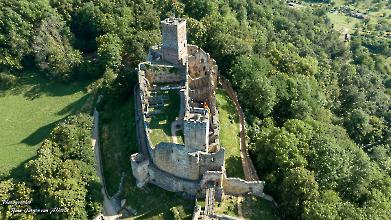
[17,29]
[116,88]
[110,50]
[298,187]
[118,32]
[309,158]
[11,191]
[52,48]
[62,176]
[64,173]
[7,80]
[249,73]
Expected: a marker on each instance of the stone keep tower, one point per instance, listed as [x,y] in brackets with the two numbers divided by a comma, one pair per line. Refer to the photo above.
[174,47]
[196,130]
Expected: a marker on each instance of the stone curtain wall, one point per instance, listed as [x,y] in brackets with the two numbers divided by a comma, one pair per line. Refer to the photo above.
[161,73]
[176,160]
[212,161]
[237,186]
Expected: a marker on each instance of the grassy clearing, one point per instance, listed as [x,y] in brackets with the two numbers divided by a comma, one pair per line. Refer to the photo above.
[229,134]
[152,202]
[254,207]
[374,10]
[160,124]
[29,111]
[342,22]
[229,206]
[118,142]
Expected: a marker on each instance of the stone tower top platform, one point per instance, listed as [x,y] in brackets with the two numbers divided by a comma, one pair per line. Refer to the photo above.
[172,21]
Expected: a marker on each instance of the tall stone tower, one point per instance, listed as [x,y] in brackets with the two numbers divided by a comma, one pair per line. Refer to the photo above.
[174,47]
[196,130]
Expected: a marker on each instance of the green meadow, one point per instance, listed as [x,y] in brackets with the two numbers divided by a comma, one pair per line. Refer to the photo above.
[28,112]
[229,133]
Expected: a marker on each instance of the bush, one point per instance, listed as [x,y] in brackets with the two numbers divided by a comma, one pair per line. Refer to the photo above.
[7,80]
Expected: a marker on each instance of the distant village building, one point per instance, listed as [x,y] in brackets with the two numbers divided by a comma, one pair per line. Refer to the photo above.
[195,167]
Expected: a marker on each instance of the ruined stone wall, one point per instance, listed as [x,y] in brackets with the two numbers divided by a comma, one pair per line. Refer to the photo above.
[236,186]
[172,183]
[212,161]
[200,82]
[140,166]
[212,176]
[203,76]
[162,73]
[199,95]
[200,63]
[196,134]
[145,172]
[176,160]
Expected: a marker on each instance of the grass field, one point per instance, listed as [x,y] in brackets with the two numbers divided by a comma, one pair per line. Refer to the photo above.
[253,208]
[28,112]
[342,22]
[160,124]
[376,11]
[229,134]
[118,142]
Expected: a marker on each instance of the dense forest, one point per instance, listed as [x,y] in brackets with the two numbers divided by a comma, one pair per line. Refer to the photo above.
[317,107]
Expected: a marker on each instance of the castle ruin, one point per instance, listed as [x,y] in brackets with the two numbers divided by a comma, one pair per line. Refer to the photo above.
[191,159]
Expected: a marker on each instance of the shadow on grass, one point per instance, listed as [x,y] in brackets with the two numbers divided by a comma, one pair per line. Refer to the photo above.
[18,173]
[253,207]
[33,85]
[234,167]
[117,142]
[169,113]
[152,201]
[73,107]
[41,133]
